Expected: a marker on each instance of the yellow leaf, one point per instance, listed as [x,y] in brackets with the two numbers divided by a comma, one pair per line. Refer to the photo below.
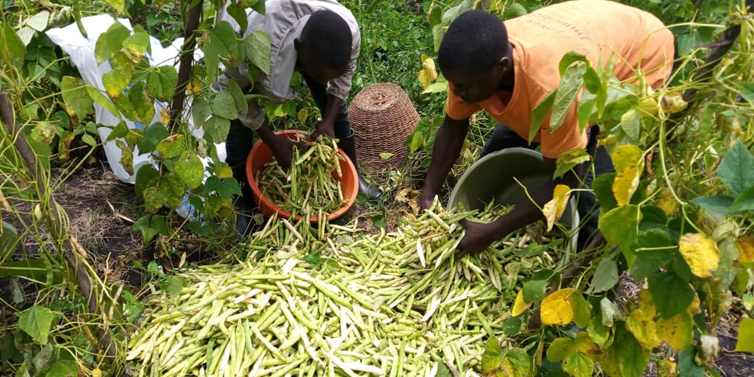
[745,245]
[625,156]
[667,368]
[673,103]
[700,252]
[519,306]
[428,73]
[625,185]
[165,114]
[667,202]
[554,209]
[648,107]
[587,346]
[676,331]
[429,66]
[556,308]
[303,114]
[97,373]
[641,322]
[424,79]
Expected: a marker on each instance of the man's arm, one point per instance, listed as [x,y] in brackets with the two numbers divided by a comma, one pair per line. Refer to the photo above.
[282,148]
[479,236]
[448,144]
[327,125]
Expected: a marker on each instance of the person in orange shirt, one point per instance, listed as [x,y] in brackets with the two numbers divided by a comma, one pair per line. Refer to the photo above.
[508,68]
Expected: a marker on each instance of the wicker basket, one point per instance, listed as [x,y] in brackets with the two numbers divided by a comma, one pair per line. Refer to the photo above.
[382,117]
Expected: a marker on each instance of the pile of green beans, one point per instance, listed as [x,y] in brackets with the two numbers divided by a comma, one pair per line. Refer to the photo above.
[308,187]
[393,304]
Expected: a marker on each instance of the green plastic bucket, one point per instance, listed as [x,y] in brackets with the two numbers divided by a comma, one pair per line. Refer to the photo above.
[494,176]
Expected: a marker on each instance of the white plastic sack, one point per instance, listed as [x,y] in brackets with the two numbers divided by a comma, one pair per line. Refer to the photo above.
[81,51]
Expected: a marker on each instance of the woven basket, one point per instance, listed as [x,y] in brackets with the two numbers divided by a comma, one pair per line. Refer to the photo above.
[382,117]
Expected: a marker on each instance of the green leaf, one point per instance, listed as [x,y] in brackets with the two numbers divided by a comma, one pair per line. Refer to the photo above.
[534,290]
[190,169]
[143,103]
[719,204]
[631,124]
[12,48]
[513,10]
[75,96]
[603,190]
[568,90]
[173,286]
[36,322]
[42,359]
[238,13]
[38,21]
[224,105]
[569,159]
[241,105]
[585,110]
[736,170]
[225,39]
[599,333]
[744,201]
[257,49]
[517,363]
[686,364]
[152,137]
[568,59]
[492,357]
[89,139]
[561,348]
[620,226]
[171,147]
[63,368]
[200,111]
[313,257]
[163,82]
[605,276]
[150,226]
[138,43]
[670,293]
[745,342]
[746,90]
[436,87]
[103,101]
[610,312]
[435,15]
[117,80]
[211,58]
[110,42]
[379,221]
[578,365]
[146,176]
[649,261]
[539,114]
[652,218]
[581,310]
[532,250]
[226,188]
[216,129]
[633,359]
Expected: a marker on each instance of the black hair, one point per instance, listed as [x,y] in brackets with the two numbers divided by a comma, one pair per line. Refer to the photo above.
[328,38]
[474,41]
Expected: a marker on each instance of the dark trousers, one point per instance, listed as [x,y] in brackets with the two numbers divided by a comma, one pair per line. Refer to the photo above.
[504,137]
[241,138]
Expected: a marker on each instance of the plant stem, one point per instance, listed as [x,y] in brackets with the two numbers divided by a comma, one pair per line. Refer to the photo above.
[187,58]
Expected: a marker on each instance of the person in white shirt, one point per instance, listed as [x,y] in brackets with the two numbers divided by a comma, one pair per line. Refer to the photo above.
[321,40]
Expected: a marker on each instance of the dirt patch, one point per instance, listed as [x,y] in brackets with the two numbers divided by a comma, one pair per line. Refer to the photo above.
[730,363]
[101,210]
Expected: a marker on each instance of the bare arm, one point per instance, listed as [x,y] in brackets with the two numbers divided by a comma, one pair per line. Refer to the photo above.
[447,148]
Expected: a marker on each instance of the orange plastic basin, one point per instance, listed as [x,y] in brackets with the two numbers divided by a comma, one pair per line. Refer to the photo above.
[261,154]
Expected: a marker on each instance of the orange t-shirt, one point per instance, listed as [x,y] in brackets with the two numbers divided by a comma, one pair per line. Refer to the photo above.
[540,39]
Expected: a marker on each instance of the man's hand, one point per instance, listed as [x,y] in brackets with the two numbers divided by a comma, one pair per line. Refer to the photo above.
[478,237]
[425,201]
[323,127]
[282,149]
